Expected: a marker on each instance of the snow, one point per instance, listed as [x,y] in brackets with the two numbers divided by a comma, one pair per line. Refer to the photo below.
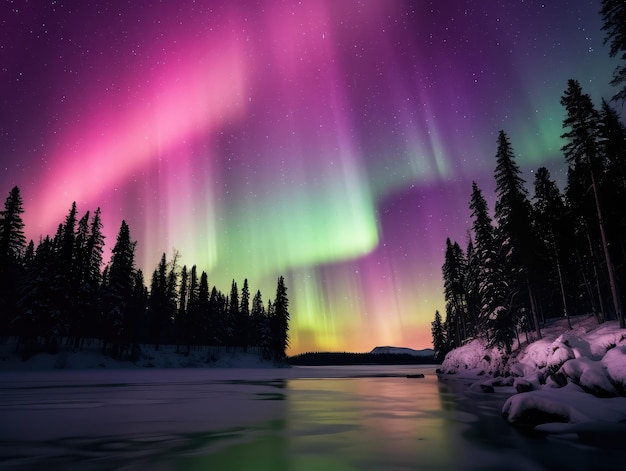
[167,356]
[570,381]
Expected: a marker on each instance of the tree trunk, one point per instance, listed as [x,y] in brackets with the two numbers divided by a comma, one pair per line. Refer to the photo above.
[533,308]
[609,265]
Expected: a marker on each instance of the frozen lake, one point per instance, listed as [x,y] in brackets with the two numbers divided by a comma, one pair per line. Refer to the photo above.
[301,418]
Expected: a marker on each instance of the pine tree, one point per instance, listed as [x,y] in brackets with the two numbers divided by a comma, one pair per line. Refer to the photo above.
[12,239]
[206,315]
[38,316]
[234,327]
[137,313]
[512,212]
[279,322]
[472,298]
[193,309]
[257,319]
[440,344]
[118,293]
[95,248]
[494,312]
[12,243]
[158,302]
[549,214]
[181,316]
[244,315]
[614,18]
[454,283]
[612,133]
[171,297]
[266,332]
[582,151]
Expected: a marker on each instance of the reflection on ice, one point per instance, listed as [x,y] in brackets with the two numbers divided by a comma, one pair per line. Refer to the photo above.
[286,419]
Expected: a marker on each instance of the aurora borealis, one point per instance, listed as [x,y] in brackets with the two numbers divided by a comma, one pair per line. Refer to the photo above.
[332,142]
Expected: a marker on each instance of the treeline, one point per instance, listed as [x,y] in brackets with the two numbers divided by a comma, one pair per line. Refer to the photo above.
[343,358]
[60,291]
[555,254]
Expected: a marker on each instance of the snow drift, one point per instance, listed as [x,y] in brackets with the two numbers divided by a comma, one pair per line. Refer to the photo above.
[575,376]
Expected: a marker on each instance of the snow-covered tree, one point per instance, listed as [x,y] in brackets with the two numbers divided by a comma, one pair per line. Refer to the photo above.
[512,213]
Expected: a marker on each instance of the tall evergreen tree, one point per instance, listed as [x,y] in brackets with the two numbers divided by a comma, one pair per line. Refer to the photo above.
[494,313]
[257,319]
[614,18]
[512,212]
[121,275]
[582,151]
[136,317]
[454,272]
[234,327]
[279,322]
[612,133]
[549,223]
[95,248]
[440,345]
[181,316]
[244,315]
[12,239]
[207,331]
[159,302]
[12,244]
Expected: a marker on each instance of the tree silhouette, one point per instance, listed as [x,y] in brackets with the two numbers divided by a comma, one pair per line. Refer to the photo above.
[614,18]
[582,151]
[279,322]
[512,212]
[12,244]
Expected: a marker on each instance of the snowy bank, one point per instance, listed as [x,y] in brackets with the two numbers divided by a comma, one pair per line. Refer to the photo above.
[167,356]
[570,381]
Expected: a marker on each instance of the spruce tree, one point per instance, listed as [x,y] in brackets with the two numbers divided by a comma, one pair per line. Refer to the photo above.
[454,283]
[193,309]
[257,319]
[121,275]
[614,18]
[181,315]
[494,313]
[95,248]
[12,239]
[549,214]
[12,244]
[512,212]
[136,314]
[279,322]
[612,133]
[440,344]
[233,319]
[582,150]
[207,332]
[159,302]
[244,314]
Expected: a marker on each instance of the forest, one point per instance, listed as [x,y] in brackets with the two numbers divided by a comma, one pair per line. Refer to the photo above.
[60,291]
[553,254]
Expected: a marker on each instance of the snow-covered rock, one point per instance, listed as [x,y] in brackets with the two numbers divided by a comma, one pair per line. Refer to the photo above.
[573,375]
[474,359]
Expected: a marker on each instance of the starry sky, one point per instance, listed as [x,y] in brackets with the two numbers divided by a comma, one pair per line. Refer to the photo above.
[332,142]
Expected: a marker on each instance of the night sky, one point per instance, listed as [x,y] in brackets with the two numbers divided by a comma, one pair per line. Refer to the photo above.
[332,142]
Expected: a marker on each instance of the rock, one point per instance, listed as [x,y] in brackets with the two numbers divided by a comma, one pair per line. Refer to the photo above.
[521,385]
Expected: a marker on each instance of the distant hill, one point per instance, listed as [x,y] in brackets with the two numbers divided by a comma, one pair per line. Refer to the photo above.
[378,356]
[427,352]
